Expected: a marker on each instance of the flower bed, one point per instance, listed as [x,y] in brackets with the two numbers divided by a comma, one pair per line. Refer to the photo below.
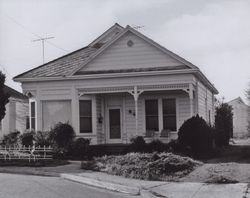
[146,166]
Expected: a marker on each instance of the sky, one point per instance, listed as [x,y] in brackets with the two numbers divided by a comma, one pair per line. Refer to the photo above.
[214,35]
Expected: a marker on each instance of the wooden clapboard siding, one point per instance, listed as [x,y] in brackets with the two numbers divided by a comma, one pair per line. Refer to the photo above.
[205,103]
[99,129]
[240,118]
[202,100]
[184,109]
[140,55]
[130,117]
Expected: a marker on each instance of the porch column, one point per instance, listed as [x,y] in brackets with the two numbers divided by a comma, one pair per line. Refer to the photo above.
[135,93]
[191,99]
[74,110]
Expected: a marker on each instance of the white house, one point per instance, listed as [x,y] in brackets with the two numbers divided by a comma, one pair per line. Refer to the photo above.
[121,85]
[240,118]
[16,117]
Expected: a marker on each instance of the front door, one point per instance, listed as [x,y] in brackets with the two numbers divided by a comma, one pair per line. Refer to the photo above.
[114,125]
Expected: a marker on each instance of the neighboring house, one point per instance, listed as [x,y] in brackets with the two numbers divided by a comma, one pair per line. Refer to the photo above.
[17,112]
[121,85]
[240,118]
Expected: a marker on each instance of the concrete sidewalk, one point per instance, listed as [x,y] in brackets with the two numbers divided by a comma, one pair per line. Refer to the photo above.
[160,189]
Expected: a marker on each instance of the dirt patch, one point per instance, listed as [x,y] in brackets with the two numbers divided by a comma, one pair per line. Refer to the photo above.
[219,173]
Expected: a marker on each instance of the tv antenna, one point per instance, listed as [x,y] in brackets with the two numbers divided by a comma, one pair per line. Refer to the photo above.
[43,39]
[138,27]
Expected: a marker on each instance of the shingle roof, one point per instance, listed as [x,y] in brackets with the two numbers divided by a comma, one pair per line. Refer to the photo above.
[61,66]
[180,67]
[14,93]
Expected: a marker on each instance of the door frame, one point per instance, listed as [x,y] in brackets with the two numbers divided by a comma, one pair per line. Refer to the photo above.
[113,141]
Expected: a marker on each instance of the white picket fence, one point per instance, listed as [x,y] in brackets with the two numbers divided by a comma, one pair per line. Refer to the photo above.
[26,153]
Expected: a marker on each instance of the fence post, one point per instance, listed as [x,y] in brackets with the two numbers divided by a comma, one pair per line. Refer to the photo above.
[44,154]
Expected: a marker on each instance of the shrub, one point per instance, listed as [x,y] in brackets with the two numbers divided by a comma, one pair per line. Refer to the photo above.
[62,136]
[157,145]
[43,138]
[11,139]
[79,148]
[223,124]
[138,144]
[27,138]
[174,145]
[196,135]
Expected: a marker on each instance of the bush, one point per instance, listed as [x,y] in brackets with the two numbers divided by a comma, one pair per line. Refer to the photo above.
[62,136]
[11,139]
[196,135]
[138,144]
[79,148]
[157,145]
[223,124]
[43,138]
[175,146]
[27,138]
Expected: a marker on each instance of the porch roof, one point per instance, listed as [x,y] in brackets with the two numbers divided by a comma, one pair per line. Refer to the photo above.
[121,89]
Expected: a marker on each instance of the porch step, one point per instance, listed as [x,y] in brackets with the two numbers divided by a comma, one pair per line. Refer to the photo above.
[109,149]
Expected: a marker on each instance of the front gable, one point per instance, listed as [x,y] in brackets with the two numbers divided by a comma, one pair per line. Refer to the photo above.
[131,52]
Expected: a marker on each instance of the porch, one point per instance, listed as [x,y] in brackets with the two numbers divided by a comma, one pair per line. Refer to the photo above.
[154,112]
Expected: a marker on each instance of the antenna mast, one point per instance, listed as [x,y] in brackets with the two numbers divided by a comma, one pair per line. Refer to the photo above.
[43,39]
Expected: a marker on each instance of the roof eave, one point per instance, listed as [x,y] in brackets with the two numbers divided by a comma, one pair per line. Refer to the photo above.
[207,82]
[110,75]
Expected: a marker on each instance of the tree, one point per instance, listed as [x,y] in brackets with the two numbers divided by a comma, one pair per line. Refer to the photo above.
[223,124]
[4,97]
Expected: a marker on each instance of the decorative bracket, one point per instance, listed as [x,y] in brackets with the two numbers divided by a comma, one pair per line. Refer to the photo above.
[136,93]
[80,94]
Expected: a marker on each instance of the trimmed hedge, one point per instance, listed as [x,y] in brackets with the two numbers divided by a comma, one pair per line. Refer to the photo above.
[195,134]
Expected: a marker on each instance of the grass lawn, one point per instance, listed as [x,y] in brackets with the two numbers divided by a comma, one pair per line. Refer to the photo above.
[231,164]
[37,163]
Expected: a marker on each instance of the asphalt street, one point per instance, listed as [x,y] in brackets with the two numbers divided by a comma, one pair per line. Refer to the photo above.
[26,186]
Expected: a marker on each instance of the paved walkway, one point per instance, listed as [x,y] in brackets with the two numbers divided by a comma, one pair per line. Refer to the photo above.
[137,187]
[161,189]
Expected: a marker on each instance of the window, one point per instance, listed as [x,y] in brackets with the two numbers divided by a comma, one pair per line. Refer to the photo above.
[27,122]
[33,115]
[169,114]
[152,117]
[54,112]
[85,111]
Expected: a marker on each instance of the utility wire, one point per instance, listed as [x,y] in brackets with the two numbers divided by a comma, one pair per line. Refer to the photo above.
[34,34]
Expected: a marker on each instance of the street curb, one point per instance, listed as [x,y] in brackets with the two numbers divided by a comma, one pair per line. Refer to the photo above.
[102,184]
